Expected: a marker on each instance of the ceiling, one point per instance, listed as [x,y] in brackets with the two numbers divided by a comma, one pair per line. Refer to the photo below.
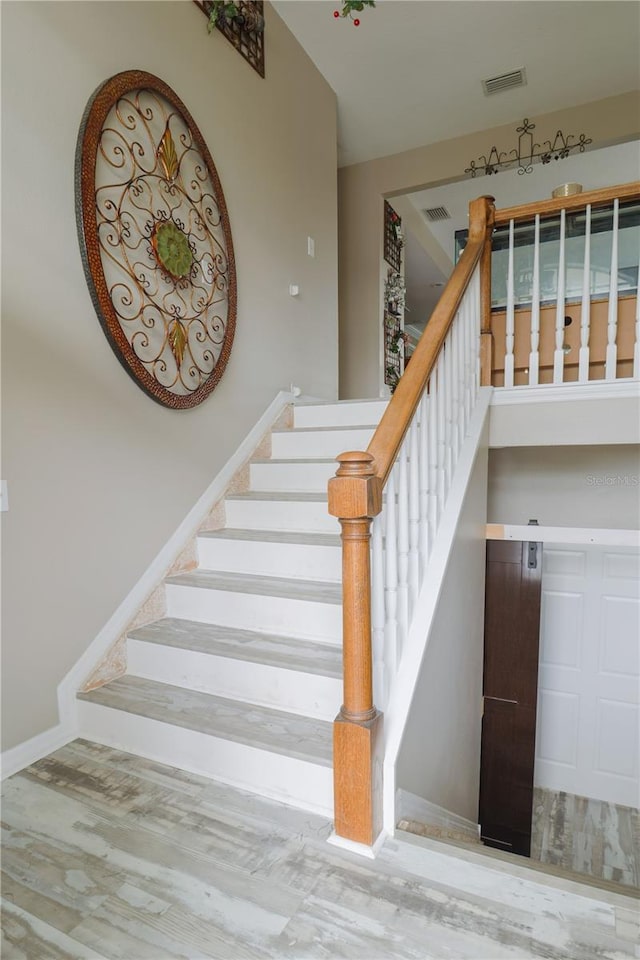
[411,73]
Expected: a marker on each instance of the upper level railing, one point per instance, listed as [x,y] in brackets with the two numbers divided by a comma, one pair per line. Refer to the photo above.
[400,484]
[565,283]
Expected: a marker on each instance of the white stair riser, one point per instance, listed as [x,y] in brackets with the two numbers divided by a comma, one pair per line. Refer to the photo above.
[268,686]
[310,517]
[251,611]
[273,775]
[343,414]
[270,559]
[292,476]
[318,443]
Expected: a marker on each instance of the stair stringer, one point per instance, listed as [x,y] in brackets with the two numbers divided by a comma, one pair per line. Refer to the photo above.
[403,685]
[153,577]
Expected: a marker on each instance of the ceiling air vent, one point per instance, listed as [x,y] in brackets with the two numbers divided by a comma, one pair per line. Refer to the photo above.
[515,78]
[436,213]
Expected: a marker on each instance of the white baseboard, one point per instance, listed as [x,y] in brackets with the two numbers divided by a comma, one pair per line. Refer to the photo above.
[546,392]
[409,806]
[157,570]
[362,849]
[26,753]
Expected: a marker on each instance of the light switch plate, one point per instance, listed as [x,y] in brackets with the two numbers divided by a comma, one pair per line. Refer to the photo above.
[4,496]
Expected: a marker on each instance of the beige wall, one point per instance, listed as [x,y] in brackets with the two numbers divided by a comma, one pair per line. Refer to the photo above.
[363,186]
[439,758]
[98,474]
[566,486]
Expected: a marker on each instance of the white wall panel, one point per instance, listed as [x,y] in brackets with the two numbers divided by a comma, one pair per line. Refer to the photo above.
[589,678]
[561,628]
[558,728]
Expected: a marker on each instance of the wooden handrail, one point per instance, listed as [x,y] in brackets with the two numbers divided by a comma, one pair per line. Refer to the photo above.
[387,439]
[355,497]
[597,198]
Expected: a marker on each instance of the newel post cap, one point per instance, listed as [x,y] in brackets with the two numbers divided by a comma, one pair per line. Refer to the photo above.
[355,491]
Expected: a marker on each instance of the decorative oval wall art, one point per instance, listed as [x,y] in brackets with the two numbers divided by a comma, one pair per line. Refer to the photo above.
[155,238]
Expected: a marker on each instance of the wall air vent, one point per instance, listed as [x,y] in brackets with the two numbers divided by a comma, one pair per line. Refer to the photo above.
[436,213]
[515,78]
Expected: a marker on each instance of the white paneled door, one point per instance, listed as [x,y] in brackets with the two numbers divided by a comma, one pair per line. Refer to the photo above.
[588,724]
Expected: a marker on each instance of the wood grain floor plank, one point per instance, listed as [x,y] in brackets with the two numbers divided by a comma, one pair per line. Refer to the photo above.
[27,937]
[114,857]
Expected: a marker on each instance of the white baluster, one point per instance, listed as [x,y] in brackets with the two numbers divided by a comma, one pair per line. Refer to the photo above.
[612,321]
[455,390]
[442,448]
[534,356]
[636,348]
[414,514]
[434,450]
[466,353]
[510,318]
[459,413]
[423,471]
[472,359]
[448,406]
[391,579]
[558,355]
[476,335]
[403,548]
[585,311]
[380,680]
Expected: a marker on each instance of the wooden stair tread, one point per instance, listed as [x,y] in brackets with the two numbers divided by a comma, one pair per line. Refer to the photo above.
[261,727]
[274,536]
[317,591]
[322,659]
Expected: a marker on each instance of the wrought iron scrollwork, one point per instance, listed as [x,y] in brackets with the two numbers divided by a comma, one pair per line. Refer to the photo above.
[155,238]
[527,152]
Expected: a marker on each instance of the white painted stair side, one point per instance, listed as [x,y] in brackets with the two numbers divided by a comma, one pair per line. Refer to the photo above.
[278,553]
[264,510]
[291,475]
[308,609]
[341,413]
[318,443]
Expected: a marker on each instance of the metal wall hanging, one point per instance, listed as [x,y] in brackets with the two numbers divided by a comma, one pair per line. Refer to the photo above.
[155,238]
[527,152]
[244,29]
[393,240]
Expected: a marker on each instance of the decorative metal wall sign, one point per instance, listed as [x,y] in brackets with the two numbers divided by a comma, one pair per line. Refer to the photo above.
[155,238]
[527,152]
[392,236]
[244,31]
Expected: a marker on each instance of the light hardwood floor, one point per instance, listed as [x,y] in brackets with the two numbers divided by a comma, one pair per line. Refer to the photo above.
[110,856]
[599,839]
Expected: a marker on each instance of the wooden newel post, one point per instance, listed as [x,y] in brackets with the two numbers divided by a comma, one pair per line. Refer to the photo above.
[355,497]
[482,214]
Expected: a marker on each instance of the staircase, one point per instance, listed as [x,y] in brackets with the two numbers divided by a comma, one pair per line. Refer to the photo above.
[242,679]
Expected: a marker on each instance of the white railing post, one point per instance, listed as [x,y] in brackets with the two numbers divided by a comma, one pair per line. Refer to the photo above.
[534,356]
[403,548]
[612,318]
[391,579]
[585,310]
[510,318]
[423,471]
[558,355]
[414,515]
[380,677]
[636,346]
